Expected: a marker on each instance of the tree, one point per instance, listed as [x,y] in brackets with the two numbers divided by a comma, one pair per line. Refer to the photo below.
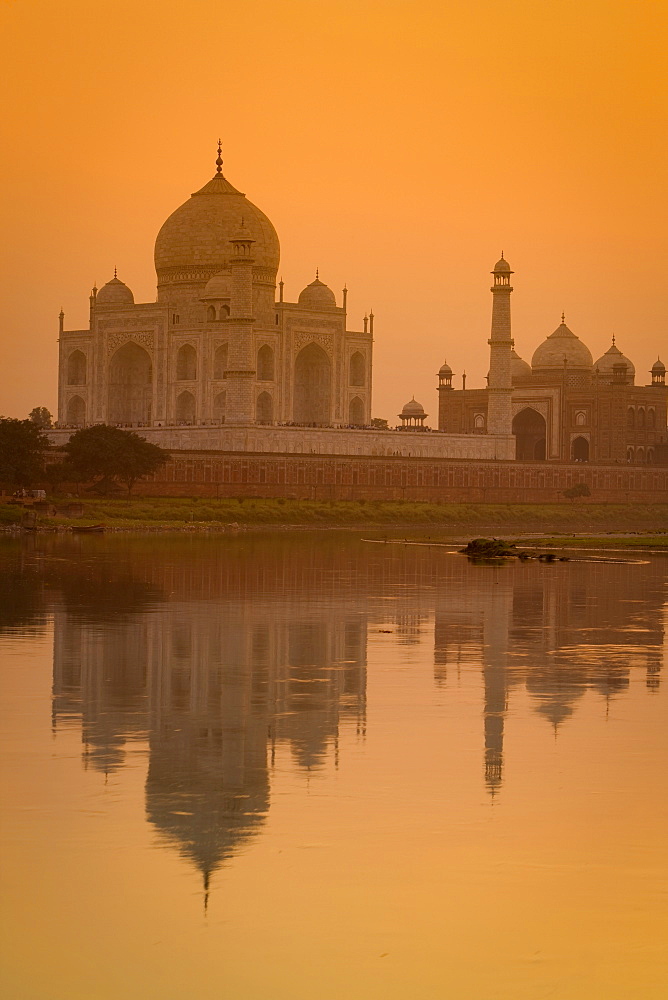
[105,455]
[379,424]
[579,490]
[22,450]
[42,417]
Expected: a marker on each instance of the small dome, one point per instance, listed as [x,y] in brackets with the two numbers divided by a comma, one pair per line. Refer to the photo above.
[658,366]
[218,286]
[413,409]
[317,295]
[519,368]
[562,345]
[445,369]
[613,356]
[115,293]
[502,265]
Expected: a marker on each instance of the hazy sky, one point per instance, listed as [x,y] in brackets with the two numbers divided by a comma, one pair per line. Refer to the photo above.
[399,146]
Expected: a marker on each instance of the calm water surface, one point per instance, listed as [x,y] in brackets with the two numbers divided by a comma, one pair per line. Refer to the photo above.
[280,768]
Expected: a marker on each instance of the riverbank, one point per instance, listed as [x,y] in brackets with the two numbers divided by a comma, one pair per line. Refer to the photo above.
[169,514]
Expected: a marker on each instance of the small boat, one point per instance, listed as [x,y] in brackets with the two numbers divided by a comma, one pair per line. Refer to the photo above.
[86,529]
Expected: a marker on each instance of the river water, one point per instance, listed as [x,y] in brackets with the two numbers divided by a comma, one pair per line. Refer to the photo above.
[280,767]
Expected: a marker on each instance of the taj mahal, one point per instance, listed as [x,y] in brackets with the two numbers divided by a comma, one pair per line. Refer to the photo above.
[222,363]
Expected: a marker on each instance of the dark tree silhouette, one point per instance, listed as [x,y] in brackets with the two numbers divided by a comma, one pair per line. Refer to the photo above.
[105,455]
[22,450]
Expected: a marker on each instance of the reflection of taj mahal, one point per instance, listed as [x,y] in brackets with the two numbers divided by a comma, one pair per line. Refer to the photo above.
[216,346]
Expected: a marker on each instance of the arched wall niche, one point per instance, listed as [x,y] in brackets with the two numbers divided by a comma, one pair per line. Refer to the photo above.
[76,411]
[264,409]
[130,387]
[357,369]
[185,408]
[356,412]
[312,386]
[220,361]
[265,364]
[76,368]
[186,363]
[219,404]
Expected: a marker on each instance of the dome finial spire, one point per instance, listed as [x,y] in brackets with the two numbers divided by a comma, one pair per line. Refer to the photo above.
[115,272]
[219,160]
[613,340]
[317,274]
[563,317]
[502,257]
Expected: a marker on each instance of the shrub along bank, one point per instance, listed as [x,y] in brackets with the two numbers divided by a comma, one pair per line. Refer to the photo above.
[166,513]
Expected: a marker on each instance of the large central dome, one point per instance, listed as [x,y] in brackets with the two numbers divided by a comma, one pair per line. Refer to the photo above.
[193,243]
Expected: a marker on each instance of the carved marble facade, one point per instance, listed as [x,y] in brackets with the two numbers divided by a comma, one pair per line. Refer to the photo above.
[216,347]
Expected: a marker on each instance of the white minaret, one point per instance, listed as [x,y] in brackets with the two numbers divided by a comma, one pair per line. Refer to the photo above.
[499,406]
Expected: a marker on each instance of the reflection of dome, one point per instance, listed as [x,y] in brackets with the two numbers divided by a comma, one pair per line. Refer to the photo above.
[115,293]
[413,409]
[519,368]
[194,242]
[317,295]
[218,287]
[613,356]
[560,345]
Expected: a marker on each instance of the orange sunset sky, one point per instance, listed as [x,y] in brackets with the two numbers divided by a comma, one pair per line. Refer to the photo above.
[398,146]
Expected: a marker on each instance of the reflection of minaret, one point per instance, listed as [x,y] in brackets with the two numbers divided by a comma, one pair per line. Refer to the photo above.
[495,653]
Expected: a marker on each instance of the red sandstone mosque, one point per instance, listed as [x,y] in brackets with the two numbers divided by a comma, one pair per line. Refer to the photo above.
[565,406]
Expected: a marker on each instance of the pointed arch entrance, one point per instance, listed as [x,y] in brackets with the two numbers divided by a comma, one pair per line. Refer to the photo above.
[313,386]
[531,432]
[130,386]
[580,450]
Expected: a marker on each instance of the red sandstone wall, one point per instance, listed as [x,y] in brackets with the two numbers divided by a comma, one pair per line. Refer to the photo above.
[220,474]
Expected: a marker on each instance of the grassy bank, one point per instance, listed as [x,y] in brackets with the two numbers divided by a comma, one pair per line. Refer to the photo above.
[167,512]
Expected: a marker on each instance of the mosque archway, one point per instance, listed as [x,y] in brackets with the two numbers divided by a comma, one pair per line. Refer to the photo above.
[356,412]
[76,411]
[530,431]
[76,368]
[265,364]
[580,450]
[186,364]
[130,386]
[313,386]
[185,408]
[264,410]
[219,404]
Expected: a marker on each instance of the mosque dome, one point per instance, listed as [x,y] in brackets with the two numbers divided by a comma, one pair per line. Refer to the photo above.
[613,356]
[519,368]
[445,369]
[218,287]
[317,295]
[413,409]
[562,345]
[115,293]
[658,366]
[194,242]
